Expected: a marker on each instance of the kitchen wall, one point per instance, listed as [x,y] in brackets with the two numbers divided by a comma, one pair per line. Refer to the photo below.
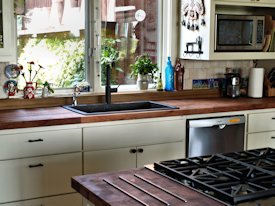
[195,69]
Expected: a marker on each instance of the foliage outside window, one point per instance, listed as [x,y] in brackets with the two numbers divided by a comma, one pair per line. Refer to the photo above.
[134,35]
[51,34]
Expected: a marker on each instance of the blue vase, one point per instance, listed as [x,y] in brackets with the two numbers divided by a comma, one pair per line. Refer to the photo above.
[169,76]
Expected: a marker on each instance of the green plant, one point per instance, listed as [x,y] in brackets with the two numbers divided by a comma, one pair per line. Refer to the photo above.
[109,56]
[143,65]
[48,86]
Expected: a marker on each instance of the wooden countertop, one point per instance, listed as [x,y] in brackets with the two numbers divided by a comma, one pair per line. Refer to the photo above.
[107,189]
[24,118]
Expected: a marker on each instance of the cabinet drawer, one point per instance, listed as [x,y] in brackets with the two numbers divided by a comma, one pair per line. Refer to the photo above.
[261,122]
[30,144]
[260,140]
[66,200]
[28,178]
[133,134]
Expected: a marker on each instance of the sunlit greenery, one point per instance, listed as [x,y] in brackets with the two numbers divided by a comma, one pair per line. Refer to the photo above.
[62,58]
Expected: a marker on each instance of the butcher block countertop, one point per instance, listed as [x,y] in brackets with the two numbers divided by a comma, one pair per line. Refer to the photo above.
[24,118]
[137,187]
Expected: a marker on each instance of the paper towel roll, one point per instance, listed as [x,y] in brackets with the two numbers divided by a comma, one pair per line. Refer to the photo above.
[256,81]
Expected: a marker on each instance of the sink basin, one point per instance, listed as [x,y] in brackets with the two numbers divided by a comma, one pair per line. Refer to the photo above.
[92,109]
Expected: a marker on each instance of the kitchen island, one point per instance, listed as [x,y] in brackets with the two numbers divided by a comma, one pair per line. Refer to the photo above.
[243,178]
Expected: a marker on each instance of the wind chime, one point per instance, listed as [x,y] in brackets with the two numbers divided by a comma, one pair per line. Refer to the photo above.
[193,12]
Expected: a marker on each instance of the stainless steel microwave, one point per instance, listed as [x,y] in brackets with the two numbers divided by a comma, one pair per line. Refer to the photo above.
[239,32]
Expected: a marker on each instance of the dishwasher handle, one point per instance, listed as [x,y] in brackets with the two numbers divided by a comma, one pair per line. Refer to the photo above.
[217,121]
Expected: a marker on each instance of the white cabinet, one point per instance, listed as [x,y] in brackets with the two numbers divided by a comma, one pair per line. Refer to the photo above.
[131,157]
[39,163]
[261,130]
[154,153]
[109,160]
[7,45]
[38,177]
[133,143]
[207,32]
[66,200]
[29,144]
[253,2]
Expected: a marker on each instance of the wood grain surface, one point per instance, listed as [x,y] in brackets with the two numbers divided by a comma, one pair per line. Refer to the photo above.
[48,116]
[94,188]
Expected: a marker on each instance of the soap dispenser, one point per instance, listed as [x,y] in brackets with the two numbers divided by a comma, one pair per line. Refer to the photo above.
[169,76]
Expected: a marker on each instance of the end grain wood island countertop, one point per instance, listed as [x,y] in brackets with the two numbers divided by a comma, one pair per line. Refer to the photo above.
[24,118]
[138,187]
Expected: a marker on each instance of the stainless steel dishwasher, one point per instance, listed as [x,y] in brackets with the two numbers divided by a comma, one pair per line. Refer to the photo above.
[208,136]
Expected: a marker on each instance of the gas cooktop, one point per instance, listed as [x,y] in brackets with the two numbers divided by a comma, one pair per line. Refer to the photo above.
[232,177]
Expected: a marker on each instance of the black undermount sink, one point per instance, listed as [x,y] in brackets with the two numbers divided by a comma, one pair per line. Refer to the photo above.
[93,109]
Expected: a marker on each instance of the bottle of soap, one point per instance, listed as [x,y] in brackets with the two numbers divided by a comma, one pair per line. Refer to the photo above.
[169,76]
[159,84]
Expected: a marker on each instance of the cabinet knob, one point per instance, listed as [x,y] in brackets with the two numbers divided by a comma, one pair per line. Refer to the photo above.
[140,150]
[35,140]
[133,151]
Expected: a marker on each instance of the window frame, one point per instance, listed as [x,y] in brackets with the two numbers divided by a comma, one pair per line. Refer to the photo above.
[167,45]
[165,41]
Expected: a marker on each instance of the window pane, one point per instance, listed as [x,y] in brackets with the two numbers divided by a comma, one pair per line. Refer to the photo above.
[129,27]
[51,34]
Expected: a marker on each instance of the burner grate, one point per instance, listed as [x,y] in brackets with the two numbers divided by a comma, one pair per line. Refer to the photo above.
[233,177]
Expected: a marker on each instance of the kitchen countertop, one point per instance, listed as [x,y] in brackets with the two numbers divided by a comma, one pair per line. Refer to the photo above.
[24,118]
[95,189]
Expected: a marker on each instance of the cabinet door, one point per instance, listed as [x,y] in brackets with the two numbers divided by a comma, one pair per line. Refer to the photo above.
[155,153]
[66,200]
[109,160]
[260,140]
[28,178]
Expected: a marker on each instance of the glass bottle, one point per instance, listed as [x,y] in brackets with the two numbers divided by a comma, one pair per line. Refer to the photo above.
[159,84]
[169,76]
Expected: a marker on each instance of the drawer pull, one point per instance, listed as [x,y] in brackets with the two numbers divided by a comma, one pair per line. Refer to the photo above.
[35,140]
[273,118]
[272,137]
[37,165]
[133,151]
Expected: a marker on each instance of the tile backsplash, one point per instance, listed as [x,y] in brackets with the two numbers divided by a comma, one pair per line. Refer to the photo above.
[195,69]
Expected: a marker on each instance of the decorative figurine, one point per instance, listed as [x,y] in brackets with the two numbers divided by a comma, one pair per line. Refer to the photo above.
[192,11]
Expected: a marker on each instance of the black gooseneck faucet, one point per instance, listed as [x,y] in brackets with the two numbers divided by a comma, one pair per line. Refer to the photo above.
[108,89]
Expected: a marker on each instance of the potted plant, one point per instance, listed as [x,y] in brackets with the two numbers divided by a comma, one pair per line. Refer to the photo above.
[47,89]
[141,69]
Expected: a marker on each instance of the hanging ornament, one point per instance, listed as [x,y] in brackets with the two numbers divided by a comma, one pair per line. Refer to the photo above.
[193,12]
